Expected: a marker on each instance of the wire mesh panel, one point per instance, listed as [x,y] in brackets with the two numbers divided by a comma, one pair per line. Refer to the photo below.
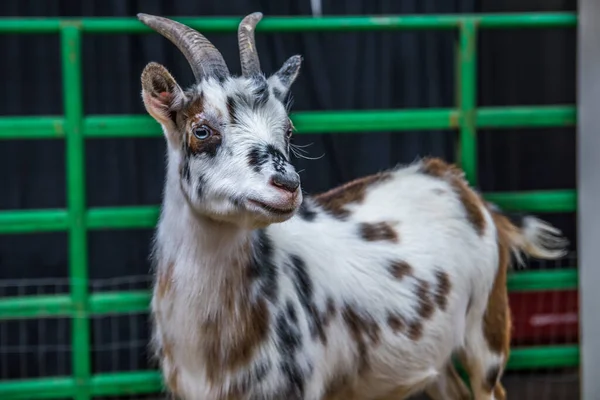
[89,327]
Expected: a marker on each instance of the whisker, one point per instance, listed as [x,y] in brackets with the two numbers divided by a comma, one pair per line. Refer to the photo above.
[309,158]
[303,145]
[297,150]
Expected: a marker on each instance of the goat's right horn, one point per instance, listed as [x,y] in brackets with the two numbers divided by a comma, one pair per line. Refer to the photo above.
[248,54]
[203,57]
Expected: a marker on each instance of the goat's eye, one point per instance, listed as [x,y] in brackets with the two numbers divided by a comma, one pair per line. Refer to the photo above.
[202,132]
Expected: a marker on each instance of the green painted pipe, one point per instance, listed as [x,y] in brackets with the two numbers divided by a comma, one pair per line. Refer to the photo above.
[76,203]
[299,23]
[307,122]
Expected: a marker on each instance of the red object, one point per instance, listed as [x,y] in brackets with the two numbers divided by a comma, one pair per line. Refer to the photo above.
[548,317]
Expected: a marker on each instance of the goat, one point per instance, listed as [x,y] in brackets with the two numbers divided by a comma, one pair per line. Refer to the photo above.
[363,292]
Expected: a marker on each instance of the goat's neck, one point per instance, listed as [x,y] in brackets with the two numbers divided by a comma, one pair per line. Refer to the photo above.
[203,250]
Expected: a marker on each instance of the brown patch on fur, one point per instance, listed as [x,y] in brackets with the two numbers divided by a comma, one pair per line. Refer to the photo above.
[338,388]
[442,289]
[400,269]
[497,321]
[192,117]
[172,381]
[497,318]
[428,300]
[193,109]
[164,280]
[378,231]
[396,323]
[227,351]
[470,200]
[439,168]
[499,392]
[335,200]
[231,337]
[359,327]
[426,304]
[171,372]
[415,330]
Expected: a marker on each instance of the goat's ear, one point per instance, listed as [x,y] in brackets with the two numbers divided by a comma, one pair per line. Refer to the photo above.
[282,80]
[161,94]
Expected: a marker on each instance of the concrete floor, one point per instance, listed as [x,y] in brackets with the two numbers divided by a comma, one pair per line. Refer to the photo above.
[525,386]
[539,386]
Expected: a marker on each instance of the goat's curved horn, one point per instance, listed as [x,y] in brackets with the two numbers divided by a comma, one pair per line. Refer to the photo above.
[248,54]
[203,57]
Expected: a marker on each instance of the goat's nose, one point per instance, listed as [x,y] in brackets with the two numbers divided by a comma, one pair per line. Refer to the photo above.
[287,182]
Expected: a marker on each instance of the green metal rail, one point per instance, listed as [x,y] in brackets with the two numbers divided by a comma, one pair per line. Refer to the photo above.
[77,220]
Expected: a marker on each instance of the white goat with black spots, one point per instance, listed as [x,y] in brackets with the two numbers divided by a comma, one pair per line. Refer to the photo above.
[364,292]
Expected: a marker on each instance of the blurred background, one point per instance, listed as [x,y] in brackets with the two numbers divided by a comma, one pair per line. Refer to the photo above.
[341,71]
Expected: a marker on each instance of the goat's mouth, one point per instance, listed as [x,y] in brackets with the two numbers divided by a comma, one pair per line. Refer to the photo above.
[272,209]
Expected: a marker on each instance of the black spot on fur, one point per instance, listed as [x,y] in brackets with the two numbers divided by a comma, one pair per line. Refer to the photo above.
[261,370]
[289,338]
[257,158]
[306,211]
[305,290]
[289,341]
[185,170]
[491,377]
[291,312]
[231,107]
[262,266]
[279,160]
[253,377]
[237,201]
[200,186]
[187,152]
[261,92]
[295,379]
[277,93]
[302,280]
[211,149]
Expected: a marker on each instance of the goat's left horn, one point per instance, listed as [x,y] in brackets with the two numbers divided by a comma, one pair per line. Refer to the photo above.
[248,54]
[203,57]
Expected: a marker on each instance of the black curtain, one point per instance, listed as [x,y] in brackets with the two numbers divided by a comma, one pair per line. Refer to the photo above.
[364,70]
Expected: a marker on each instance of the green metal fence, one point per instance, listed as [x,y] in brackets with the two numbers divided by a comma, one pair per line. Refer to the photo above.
[77,219]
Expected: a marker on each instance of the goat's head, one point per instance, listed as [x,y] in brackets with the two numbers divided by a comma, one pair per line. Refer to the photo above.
[229,136]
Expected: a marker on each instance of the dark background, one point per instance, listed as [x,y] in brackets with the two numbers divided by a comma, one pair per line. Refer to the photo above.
[341,71]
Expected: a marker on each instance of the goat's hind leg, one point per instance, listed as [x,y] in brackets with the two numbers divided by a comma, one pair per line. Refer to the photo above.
[485,368]
[487,346]
[448,386]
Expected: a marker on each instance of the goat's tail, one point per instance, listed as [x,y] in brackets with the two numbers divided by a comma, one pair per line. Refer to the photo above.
[529,236]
